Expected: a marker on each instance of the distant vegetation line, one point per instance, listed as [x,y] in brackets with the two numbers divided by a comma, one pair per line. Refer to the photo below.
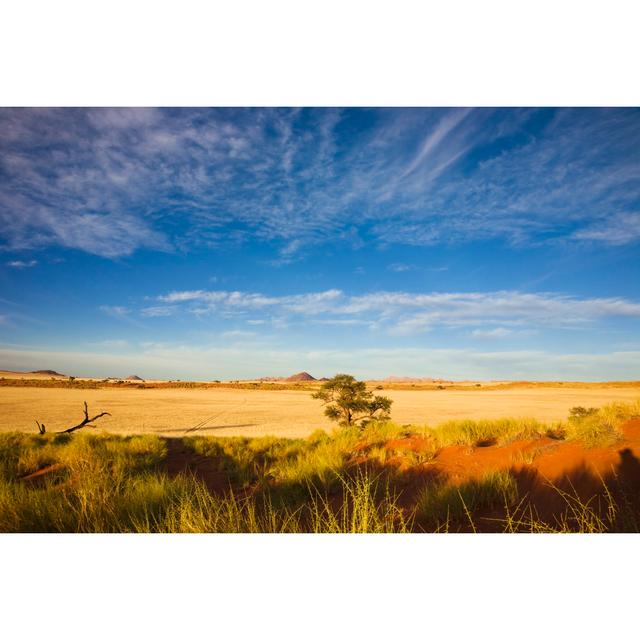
[75,383]
[111,384]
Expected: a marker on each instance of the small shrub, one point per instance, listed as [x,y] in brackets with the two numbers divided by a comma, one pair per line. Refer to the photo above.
[582,412]
[600,427]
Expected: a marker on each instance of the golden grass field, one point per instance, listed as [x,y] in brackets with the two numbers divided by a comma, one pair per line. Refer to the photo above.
[284,413]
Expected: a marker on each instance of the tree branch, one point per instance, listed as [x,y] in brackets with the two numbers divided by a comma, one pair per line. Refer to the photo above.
[85,423]
[87,420]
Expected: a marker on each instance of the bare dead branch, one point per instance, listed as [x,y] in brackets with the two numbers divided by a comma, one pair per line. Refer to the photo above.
[86,422]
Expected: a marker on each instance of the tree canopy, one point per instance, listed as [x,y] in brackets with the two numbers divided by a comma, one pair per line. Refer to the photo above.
[348,402]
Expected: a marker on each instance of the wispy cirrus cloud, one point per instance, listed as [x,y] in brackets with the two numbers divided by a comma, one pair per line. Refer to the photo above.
[112,181]
[403,313]
[122,313]
[399,267]
[498,333]
[115,311]
[238,333]
[21,264]
[620,229]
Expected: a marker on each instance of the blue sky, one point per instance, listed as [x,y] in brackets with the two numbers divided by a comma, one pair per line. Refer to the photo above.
[233,243]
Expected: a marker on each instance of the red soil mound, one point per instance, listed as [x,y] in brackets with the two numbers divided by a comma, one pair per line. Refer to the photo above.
[544,469]
[550,459]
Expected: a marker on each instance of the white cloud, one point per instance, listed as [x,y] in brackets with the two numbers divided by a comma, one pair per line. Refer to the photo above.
[115,310]
[21,264]
[158,311]
[623,228]
[498,332]
[399,267]
[213,301]
[402,313]
[238,333]
[435,138]
[111,181]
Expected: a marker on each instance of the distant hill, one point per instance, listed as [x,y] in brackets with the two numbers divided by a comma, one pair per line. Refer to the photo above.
[303,376]
[48,372]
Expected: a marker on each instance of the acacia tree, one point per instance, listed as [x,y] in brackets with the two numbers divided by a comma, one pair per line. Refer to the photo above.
[348,402]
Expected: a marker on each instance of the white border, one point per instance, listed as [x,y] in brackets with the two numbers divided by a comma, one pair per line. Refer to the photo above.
[286,52]
[322,586]
[319,52]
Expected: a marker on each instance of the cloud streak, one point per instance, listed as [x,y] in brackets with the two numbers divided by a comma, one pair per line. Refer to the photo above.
[21,264]
[112,181]
[403,313]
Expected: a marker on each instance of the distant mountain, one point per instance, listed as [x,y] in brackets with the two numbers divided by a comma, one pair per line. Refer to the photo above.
[48,372]
[303,376]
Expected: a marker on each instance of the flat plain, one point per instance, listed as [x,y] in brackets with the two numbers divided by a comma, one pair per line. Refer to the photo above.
[283,412]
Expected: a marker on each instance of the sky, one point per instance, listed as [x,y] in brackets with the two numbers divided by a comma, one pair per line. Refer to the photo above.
[236,243]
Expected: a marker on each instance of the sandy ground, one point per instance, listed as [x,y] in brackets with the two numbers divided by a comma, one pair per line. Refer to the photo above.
[232,412]
[27,375]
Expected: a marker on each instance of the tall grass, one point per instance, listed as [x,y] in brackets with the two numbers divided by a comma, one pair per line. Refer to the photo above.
[320,458]
[593,427]
[600,427]
[480,432]
[600,513]
[359,508]
[326,483]
[112,484]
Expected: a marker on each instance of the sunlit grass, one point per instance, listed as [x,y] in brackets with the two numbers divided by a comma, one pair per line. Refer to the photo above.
[112,484]
[601,427]
[478,432]
[346,481]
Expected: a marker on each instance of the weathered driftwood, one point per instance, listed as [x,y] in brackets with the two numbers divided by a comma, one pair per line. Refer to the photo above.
[85,423]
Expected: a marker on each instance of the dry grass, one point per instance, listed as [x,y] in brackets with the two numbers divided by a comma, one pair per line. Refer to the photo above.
[337,482]
[285,413]
[601,427]
[113,484]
